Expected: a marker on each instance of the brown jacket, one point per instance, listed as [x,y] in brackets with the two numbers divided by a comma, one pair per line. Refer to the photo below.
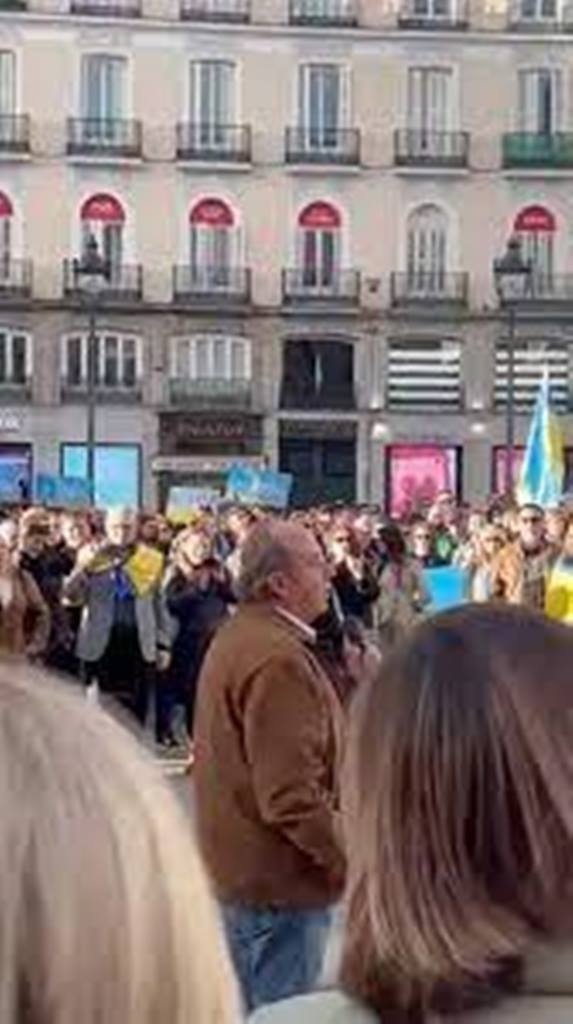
[268,741]
[519,578]
[25,622]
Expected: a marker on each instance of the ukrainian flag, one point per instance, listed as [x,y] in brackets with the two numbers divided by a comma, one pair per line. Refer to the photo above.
[543,468]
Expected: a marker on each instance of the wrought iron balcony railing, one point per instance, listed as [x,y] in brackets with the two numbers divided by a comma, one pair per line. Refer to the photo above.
[417,147]
[307,285]
[232,11]
[538,149]
[14,133]
[125,283]
[16,278]
[426,287]
[323,145]
[107,8]
[199,284]
[434,14]
[209,393]
[323,12]
[100,136]
[222,143]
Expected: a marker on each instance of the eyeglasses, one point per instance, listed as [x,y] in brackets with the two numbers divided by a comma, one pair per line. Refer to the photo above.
[531,520]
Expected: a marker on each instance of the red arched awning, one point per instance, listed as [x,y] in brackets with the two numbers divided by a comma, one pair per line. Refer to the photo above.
[319,215]
[213,213]
[6,208]
[102,207]
[535,218]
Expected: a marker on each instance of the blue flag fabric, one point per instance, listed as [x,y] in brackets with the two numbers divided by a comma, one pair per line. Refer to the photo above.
[543,469]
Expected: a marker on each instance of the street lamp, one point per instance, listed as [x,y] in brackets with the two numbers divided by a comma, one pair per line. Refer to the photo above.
[513,278]
[91,274]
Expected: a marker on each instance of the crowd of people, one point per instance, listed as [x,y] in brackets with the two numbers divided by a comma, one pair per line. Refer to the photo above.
[129,603]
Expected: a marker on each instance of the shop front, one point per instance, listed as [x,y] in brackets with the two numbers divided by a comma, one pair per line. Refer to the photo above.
[416,473]
[321,455]
[198,449]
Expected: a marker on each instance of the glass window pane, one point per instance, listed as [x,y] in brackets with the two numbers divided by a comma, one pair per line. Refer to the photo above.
[182,358]
[129,374]
[110,363]
[74,361]
[239,359]
[3,366]
[19,346]
[219,358]
[202,358]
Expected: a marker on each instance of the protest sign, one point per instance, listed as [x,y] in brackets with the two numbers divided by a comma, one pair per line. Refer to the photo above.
[250,486]
[183,501]
[447,587]
[62,491]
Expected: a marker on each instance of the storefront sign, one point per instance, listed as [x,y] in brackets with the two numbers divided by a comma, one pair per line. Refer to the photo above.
[216,464]
[182,433]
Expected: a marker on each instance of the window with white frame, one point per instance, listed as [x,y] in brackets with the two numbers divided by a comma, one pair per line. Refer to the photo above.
[102,216]
[540,100]
[433,9]
[15,357]
[103,97]
[214,243]
[427,250]
[539,10]
[535,227]
[117,359]
[430,96]
[323,104]
[319,246]
[212,101]
[211,357]
[7,83]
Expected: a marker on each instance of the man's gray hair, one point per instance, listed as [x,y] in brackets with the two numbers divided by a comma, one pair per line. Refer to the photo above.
[264,553]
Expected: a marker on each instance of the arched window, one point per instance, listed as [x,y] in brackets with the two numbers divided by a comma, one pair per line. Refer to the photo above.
[213,243]
[319,255]
[535,226]
[427,250]
[6,216]
[102,216]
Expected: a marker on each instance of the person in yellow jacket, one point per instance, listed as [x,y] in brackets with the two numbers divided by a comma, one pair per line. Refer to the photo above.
[559,589]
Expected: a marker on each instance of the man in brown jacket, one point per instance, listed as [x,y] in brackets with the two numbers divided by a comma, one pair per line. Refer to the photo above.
[519,573]
[268,740]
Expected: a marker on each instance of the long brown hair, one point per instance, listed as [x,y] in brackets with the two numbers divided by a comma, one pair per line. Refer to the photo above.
[459,800]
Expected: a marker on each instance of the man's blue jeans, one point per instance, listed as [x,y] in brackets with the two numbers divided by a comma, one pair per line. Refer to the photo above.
[276,953]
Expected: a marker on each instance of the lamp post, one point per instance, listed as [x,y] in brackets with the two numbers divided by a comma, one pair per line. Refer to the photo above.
[90,275]
[513,278]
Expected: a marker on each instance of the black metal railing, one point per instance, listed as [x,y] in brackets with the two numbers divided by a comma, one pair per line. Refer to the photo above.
[207,392]
[427,287]
[309,285]
[97,136]
[322,145]
[218,284]
[225,143]
[14,133]
[107,8]
[236,12]
[13,5]
[299,397]
[16,278]
[323,12]
[417,147]
[124,283]
[549,288]
[434,14]
[118,393]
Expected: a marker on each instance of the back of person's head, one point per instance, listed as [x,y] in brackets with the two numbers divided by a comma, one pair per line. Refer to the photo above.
[106,915]
[458,788]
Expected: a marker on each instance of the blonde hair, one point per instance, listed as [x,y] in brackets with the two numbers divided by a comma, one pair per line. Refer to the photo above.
[459,811]
[106,914]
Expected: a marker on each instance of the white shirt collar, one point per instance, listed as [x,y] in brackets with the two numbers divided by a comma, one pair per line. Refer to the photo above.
[307,631]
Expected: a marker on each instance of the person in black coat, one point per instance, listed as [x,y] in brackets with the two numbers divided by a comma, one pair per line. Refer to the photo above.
[198,593]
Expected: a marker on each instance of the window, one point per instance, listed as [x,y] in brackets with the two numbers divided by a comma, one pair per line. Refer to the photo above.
[117,472]
[211,357]
[539,10]
[430,99]
[15,358]
[102,216]
[118,361]
[322,104]
[540,95]
[213,244]
[103,97]
[319,245]
[424,375]
[433,8]
[427,250]
[531,358]
[317,374]
[7,83]
[535,227]
[211,102]
[6,217]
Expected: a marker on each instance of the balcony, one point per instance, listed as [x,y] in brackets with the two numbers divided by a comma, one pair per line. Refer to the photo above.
[13,5]
[434,15]
[104,137]
[106,393]
[322,13]
[531,16]
[214,143]
[125,284]
[553,150]
[307,287]
[14,133]
[107,8]
[550,289]
[211,393]
[421,148]
[234,12]
[323,146]
[211,286]
[428,289]
[15,279]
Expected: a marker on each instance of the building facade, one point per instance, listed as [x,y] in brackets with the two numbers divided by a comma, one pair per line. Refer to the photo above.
[299,202]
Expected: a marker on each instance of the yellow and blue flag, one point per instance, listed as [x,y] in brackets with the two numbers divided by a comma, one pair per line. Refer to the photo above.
[543,469]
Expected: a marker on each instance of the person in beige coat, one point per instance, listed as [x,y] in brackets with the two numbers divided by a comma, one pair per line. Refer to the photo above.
[459,831]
